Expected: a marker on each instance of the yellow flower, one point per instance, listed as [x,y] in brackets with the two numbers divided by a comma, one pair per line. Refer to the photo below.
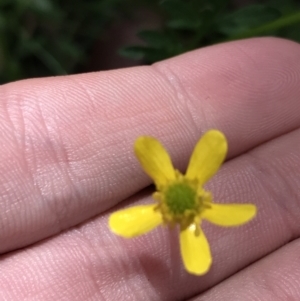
[181,199]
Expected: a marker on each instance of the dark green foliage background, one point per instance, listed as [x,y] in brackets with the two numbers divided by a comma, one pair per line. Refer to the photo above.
[190,24]
[52,37]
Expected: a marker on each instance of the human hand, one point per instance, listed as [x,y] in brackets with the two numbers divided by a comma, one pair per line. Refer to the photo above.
[67,162]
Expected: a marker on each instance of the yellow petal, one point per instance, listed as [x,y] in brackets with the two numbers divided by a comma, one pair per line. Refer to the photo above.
[154,159]
[135,221]
[228,215]
[207,157]
[195,251]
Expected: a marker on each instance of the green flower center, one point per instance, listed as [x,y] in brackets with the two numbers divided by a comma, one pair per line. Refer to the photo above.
[181,197]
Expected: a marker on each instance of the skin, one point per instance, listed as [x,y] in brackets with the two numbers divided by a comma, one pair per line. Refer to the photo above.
[67,162]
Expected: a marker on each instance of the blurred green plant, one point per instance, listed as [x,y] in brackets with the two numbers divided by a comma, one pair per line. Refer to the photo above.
[190,24]
[52,37]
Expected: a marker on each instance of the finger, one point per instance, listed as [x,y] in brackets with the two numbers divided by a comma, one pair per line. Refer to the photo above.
[274,278]
[149,267]
[67,141]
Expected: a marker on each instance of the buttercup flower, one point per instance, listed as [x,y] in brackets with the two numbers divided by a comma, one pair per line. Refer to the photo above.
[181,199]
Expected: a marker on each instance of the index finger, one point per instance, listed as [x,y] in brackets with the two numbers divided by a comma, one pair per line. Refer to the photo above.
[67,141]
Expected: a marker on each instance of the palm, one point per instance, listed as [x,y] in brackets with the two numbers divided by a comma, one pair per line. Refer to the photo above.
[66,163]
